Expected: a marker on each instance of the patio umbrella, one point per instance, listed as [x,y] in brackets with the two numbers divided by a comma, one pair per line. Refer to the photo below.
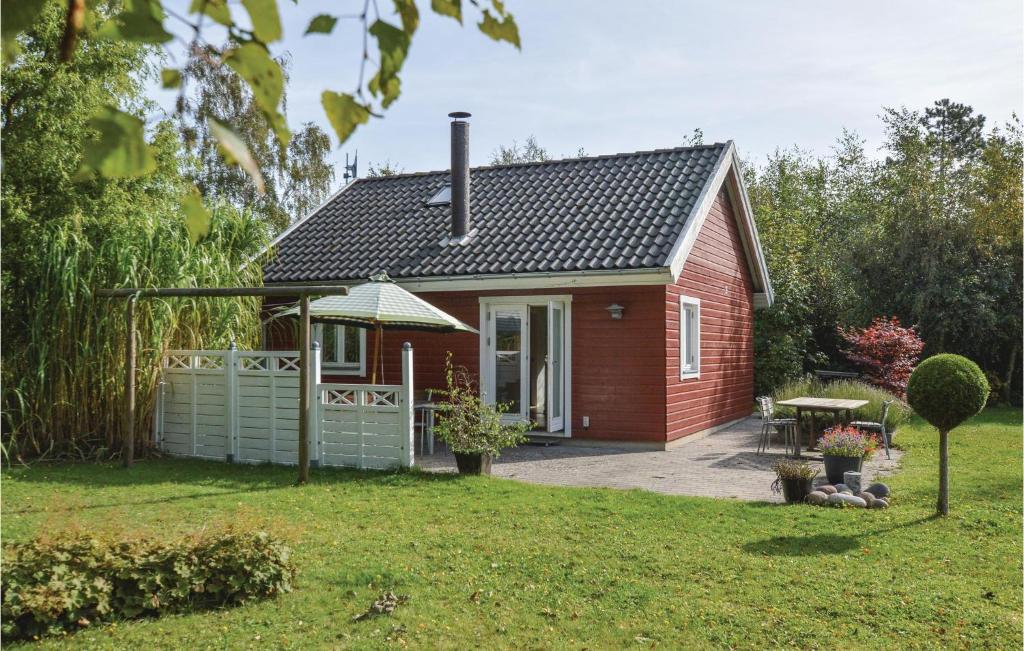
[381,304]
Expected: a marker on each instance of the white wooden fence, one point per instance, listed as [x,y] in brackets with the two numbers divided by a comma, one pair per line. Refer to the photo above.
[244,406]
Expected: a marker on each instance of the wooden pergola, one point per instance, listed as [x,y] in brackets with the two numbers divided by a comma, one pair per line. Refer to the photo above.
[302,292]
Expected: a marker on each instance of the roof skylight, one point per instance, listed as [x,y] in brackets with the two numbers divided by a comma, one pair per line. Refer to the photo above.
[441,197]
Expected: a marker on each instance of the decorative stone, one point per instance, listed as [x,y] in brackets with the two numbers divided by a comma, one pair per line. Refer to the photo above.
[842,499]
[816,498]
[880,504]
[852,479]
[842,487]
[827,489]
[867,497]
[846,492]
[878,489]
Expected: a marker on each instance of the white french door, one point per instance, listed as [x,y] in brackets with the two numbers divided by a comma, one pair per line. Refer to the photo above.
[523,359]
[509,363]
[556,366]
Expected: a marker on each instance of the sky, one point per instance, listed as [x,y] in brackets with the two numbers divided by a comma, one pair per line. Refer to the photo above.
[628,76]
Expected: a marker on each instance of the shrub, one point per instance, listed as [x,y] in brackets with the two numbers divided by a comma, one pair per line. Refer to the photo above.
[847,442]
[946,390]
[794,469]
[885,352]
[899,412]
[468,424]
[73,581]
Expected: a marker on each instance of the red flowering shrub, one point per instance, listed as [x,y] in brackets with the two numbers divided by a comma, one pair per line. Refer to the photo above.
[885,352]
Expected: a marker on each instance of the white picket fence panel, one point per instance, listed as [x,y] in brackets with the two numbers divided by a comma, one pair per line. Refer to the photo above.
[244,406]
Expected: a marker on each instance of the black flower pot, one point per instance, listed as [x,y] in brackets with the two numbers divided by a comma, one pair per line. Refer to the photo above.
[795,490]
[836,466]
[473,464]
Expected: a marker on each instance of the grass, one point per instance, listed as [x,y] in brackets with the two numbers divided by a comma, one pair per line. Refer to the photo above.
[496,564]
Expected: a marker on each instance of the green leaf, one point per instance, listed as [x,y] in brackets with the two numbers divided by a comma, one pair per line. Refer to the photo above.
[197,217]
[235,151]
[254,64]
[139,20]
[322,24]
[215,9]
[16,16]
[451,8]
[170,78]
[119,149]
[266,23]
[503,29]
[410,16]
[344,112]
[394,45]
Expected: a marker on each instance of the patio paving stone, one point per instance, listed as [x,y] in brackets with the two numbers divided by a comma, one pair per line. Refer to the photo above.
[722,464]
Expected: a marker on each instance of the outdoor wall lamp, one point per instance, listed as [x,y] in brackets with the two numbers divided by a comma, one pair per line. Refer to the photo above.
[615,310]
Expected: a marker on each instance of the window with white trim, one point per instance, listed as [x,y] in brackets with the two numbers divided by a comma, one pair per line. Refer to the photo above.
[342,348]
[689,337]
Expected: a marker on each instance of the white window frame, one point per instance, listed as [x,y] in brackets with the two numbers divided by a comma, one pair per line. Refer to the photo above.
[342,368]
[684,372]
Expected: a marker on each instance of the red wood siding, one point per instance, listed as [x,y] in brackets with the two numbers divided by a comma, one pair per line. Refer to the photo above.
[618,366]
[716,272]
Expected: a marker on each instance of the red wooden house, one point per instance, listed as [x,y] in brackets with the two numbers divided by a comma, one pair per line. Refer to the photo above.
[614,294]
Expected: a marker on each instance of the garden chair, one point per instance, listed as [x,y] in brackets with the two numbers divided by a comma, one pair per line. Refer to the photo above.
[871,426]
[768,422]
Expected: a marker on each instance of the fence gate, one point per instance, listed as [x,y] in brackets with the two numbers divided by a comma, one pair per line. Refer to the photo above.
[244,406]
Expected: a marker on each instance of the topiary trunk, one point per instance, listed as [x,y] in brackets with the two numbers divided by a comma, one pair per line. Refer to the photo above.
[943,505]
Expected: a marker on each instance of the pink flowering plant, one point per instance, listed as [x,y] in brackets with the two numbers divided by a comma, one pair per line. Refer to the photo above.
[847,441]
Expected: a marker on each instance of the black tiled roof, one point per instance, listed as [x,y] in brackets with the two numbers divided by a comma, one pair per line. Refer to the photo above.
[623,211]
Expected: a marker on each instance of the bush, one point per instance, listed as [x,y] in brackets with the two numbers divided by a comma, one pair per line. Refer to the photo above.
[74,581]
[946,390]
[468,424]
[899,412]
[885,352]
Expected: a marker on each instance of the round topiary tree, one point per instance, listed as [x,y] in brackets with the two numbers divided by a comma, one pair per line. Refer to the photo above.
[946,390]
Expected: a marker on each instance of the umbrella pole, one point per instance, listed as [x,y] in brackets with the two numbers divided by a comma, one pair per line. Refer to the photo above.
[376,355]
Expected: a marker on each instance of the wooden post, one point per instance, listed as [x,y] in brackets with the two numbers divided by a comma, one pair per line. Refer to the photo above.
[304,346]
[128,449]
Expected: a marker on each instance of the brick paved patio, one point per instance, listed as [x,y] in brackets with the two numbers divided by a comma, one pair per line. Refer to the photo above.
[720,465]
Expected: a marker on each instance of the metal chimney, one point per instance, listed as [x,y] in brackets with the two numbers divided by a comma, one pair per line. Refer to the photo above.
[460,175]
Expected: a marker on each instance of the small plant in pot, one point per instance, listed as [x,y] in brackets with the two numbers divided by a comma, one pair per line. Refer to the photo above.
[844,449]
[472,428]
[794,478]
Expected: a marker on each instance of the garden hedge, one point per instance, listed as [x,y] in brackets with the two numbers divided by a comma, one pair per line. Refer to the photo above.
[70,582]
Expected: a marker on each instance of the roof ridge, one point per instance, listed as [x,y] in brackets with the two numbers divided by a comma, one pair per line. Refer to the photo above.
[553,161]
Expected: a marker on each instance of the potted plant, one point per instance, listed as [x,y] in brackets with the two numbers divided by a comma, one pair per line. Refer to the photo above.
[844,449]
[472,428]
[794,478]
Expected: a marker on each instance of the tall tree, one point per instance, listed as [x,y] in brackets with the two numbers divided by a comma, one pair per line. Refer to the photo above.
[387,168]
[295,176]
[68,232]
[529,152]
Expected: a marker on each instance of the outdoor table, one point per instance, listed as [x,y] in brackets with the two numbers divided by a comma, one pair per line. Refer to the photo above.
[812,405]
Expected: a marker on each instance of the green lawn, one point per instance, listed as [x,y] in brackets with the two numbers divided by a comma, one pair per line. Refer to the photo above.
[494,563]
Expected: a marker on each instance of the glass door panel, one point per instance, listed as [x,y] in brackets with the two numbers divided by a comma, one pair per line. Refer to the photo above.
[556,367]
[510,359]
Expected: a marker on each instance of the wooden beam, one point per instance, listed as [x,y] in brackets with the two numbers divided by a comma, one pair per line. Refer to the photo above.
[128,447]
[304,345]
